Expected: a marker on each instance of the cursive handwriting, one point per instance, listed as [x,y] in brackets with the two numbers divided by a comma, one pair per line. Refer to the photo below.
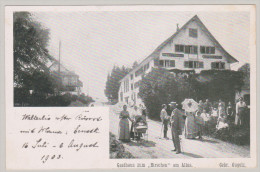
[49,131]
[35,117]
[78,146]
[55,134]
[85,118]
[78,130]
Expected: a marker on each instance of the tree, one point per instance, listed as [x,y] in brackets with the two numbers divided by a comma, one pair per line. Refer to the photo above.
[135,64]
[112,83]
[30,47]
[30,63]
[162,87]
[217,84]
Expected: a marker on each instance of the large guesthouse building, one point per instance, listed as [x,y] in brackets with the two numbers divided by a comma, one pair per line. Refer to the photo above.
[192,47]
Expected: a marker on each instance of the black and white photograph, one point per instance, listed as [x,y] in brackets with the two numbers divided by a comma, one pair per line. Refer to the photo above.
[189,98]
[176,80]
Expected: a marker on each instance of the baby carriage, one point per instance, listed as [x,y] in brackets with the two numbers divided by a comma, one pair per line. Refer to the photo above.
[140,129]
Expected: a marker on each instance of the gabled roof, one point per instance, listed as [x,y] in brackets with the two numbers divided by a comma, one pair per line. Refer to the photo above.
[230,58]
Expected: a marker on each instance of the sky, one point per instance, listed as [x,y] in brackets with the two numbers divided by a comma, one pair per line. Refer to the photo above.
[92,42]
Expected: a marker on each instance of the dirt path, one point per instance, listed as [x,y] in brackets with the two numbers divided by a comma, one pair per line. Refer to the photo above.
[156,147]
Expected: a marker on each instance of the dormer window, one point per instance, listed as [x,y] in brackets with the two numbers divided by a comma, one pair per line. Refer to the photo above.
[193,33]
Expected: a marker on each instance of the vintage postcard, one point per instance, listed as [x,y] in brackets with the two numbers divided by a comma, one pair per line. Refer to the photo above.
[144,86]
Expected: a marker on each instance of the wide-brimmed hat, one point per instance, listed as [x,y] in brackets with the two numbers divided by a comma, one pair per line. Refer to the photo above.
[173,104]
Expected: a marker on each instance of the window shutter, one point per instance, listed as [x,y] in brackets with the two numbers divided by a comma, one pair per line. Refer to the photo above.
[222,65]
[207,50]
[161,63]
[201,65]
[181,48]
[177,48]
[187,49]
[202,49]
[213,50]
[186,64]
[172,63]
[195,49]
[213,65]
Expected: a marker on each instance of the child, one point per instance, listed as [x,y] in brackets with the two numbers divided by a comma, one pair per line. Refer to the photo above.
[206,118]
[214,112]
[140,122]
[221,122]
[200,123]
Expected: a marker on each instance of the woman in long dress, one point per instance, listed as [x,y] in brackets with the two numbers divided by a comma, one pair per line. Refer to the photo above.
[191,128]
[221,108]
[124,133]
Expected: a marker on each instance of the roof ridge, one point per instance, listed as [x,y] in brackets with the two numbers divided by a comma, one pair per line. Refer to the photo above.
[195,17]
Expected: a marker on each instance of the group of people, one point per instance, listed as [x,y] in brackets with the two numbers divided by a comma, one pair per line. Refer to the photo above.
[196,121]
[137,116]
[224,114]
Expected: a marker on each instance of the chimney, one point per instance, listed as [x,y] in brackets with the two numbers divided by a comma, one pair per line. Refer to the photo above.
[177,27]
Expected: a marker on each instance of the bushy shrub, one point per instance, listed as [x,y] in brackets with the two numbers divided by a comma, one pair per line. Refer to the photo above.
[117,150]
[60,100]
[234,134]
[161,87]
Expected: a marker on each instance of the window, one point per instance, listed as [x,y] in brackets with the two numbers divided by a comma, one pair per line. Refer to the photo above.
[218,65]
[167,63]
[187,49]
[207,50]
[132,86]
[126,85]
[121,96]
[193,33]
[172,63]
[146,67]
[179,48]
[193,64]
[136,84]
[161,63]
[191,49]
[202,49]
[132,76]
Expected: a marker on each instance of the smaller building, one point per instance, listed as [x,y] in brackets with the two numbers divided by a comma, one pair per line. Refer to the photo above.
[69,79]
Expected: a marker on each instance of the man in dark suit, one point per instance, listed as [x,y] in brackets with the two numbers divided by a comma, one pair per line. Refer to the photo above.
[175,120]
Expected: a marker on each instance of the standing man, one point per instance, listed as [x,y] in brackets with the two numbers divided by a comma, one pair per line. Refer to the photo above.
[207,106]
[175,121]
[165,120]
[240,112]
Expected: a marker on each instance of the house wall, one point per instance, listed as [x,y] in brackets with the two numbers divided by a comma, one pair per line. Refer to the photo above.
[132,94]
[183,38]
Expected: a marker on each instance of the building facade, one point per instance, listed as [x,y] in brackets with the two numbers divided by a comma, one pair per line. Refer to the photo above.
[192,47]
[69,79]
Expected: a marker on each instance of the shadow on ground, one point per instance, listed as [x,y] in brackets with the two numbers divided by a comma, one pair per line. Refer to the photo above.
[206,140]
[142,143]
[191,155]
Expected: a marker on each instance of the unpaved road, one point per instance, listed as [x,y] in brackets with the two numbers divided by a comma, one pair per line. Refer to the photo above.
[156,147]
